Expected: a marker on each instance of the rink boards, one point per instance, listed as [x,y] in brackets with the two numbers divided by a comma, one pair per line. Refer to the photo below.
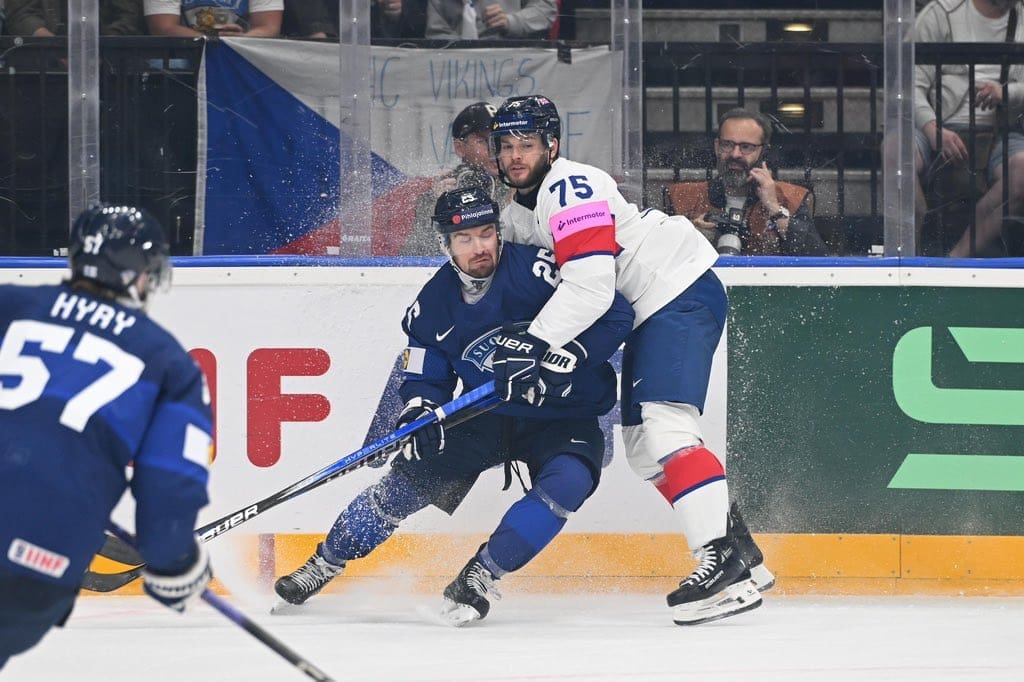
[870,413]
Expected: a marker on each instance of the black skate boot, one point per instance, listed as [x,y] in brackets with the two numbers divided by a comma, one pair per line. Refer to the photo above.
[307,579]
[763,579]
[719,587]
[465,599]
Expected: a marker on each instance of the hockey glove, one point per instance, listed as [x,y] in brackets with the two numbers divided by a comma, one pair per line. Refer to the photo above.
[526,371]
[426,442]
[178,591]
[556,369]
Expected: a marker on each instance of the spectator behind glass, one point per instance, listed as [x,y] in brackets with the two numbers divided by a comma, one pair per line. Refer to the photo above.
[473,19]
[50,17]
[388,18]
[310,19]
[744,210]
[256,18]
[944,21]
[398,19]
[470,132]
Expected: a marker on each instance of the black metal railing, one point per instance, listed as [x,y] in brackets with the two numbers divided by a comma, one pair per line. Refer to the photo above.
[807,88]
[951,205]
[148,125]
[147,136]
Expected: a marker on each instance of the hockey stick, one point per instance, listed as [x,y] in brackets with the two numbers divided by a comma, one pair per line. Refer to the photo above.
[463,408]
[242,620]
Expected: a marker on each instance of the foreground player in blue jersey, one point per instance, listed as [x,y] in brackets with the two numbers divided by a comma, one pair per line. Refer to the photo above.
[454,326]
[89,384]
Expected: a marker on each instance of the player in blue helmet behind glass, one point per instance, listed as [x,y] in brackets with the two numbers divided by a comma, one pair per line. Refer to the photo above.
[453,329]
[88,385]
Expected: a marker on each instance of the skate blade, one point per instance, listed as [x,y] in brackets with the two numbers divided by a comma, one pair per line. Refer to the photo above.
[732,601]
[450,614]
[284,608]
[762,578]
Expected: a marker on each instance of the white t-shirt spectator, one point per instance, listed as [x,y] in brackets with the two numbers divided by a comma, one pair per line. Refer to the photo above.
[240,8]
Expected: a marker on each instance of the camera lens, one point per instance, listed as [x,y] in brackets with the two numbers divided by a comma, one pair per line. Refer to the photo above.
[729,244]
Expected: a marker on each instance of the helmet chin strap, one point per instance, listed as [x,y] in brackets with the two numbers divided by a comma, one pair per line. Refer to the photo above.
[473,288]
[131,298]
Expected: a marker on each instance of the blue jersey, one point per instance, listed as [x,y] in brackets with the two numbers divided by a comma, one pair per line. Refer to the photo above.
[88,386]
[450,339]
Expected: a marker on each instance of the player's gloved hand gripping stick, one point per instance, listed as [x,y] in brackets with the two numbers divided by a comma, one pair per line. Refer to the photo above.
[464,407]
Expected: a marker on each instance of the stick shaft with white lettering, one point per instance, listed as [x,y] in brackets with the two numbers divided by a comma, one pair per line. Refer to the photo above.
[457,411]
[244,622]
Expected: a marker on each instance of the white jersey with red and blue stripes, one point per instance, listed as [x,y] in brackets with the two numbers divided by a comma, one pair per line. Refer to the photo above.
[603,243]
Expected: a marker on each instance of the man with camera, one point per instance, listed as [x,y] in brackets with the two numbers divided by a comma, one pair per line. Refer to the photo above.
[470,131]
[744,210]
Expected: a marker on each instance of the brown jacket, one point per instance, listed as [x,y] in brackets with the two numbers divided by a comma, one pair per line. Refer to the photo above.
[692,200]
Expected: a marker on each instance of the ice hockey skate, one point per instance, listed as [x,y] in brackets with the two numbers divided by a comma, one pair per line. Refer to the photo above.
[307,580]
[466,598]
[762,578]
[719,587]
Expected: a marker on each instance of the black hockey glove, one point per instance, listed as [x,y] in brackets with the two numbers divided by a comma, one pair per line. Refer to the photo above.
[556,374]
[527,371]
[179,590]
[428,441]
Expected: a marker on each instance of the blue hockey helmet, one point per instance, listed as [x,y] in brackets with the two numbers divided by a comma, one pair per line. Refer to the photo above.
[463,208]
[529,114]
[112,246]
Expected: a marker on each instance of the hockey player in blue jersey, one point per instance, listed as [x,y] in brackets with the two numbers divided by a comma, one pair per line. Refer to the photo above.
[89,384]
[453,328]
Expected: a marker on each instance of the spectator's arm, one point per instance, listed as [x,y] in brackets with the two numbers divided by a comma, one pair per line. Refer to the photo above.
[536,17]
[265,24]
[1015,90]
[437,26]
[802,237]
[411,24]
[122,18]
[25,18]
[308,19]
[169,25]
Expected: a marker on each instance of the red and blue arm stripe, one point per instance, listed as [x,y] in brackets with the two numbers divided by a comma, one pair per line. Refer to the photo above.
[583,230]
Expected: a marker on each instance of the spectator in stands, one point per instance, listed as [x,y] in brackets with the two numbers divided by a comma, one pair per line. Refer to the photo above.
[310,19]
[398,19]
[966,21]
[473,19]
[214,18]
[50,18]
[470,132]
[395,19]
[744,210]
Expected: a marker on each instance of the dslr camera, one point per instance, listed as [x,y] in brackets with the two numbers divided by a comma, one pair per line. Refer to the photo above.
[731,223]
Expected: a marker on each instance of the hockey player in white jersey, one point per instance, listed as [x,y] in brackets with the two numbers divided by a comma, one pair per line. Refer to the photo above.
[662,265]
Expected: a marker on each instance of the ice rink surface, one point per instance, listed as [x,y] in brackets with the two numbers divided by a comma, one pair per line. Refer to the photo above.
[365,635]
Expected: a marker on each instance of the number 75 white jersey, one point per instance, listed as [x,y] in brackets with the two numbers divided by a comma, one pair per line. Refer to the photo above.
[604,243]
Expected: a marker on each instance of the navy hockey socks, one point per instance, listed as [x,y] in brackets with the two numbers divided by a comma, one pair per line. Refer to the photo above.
[370,519]
[532,522]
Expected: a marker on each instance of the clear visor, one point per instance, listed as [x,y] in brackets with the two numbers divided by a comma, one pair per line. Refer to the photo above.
[496,138]
[157,277]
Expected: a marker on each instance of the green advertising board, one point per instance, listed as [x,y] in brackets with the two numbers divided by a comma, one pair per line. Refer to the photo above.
[877,409]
